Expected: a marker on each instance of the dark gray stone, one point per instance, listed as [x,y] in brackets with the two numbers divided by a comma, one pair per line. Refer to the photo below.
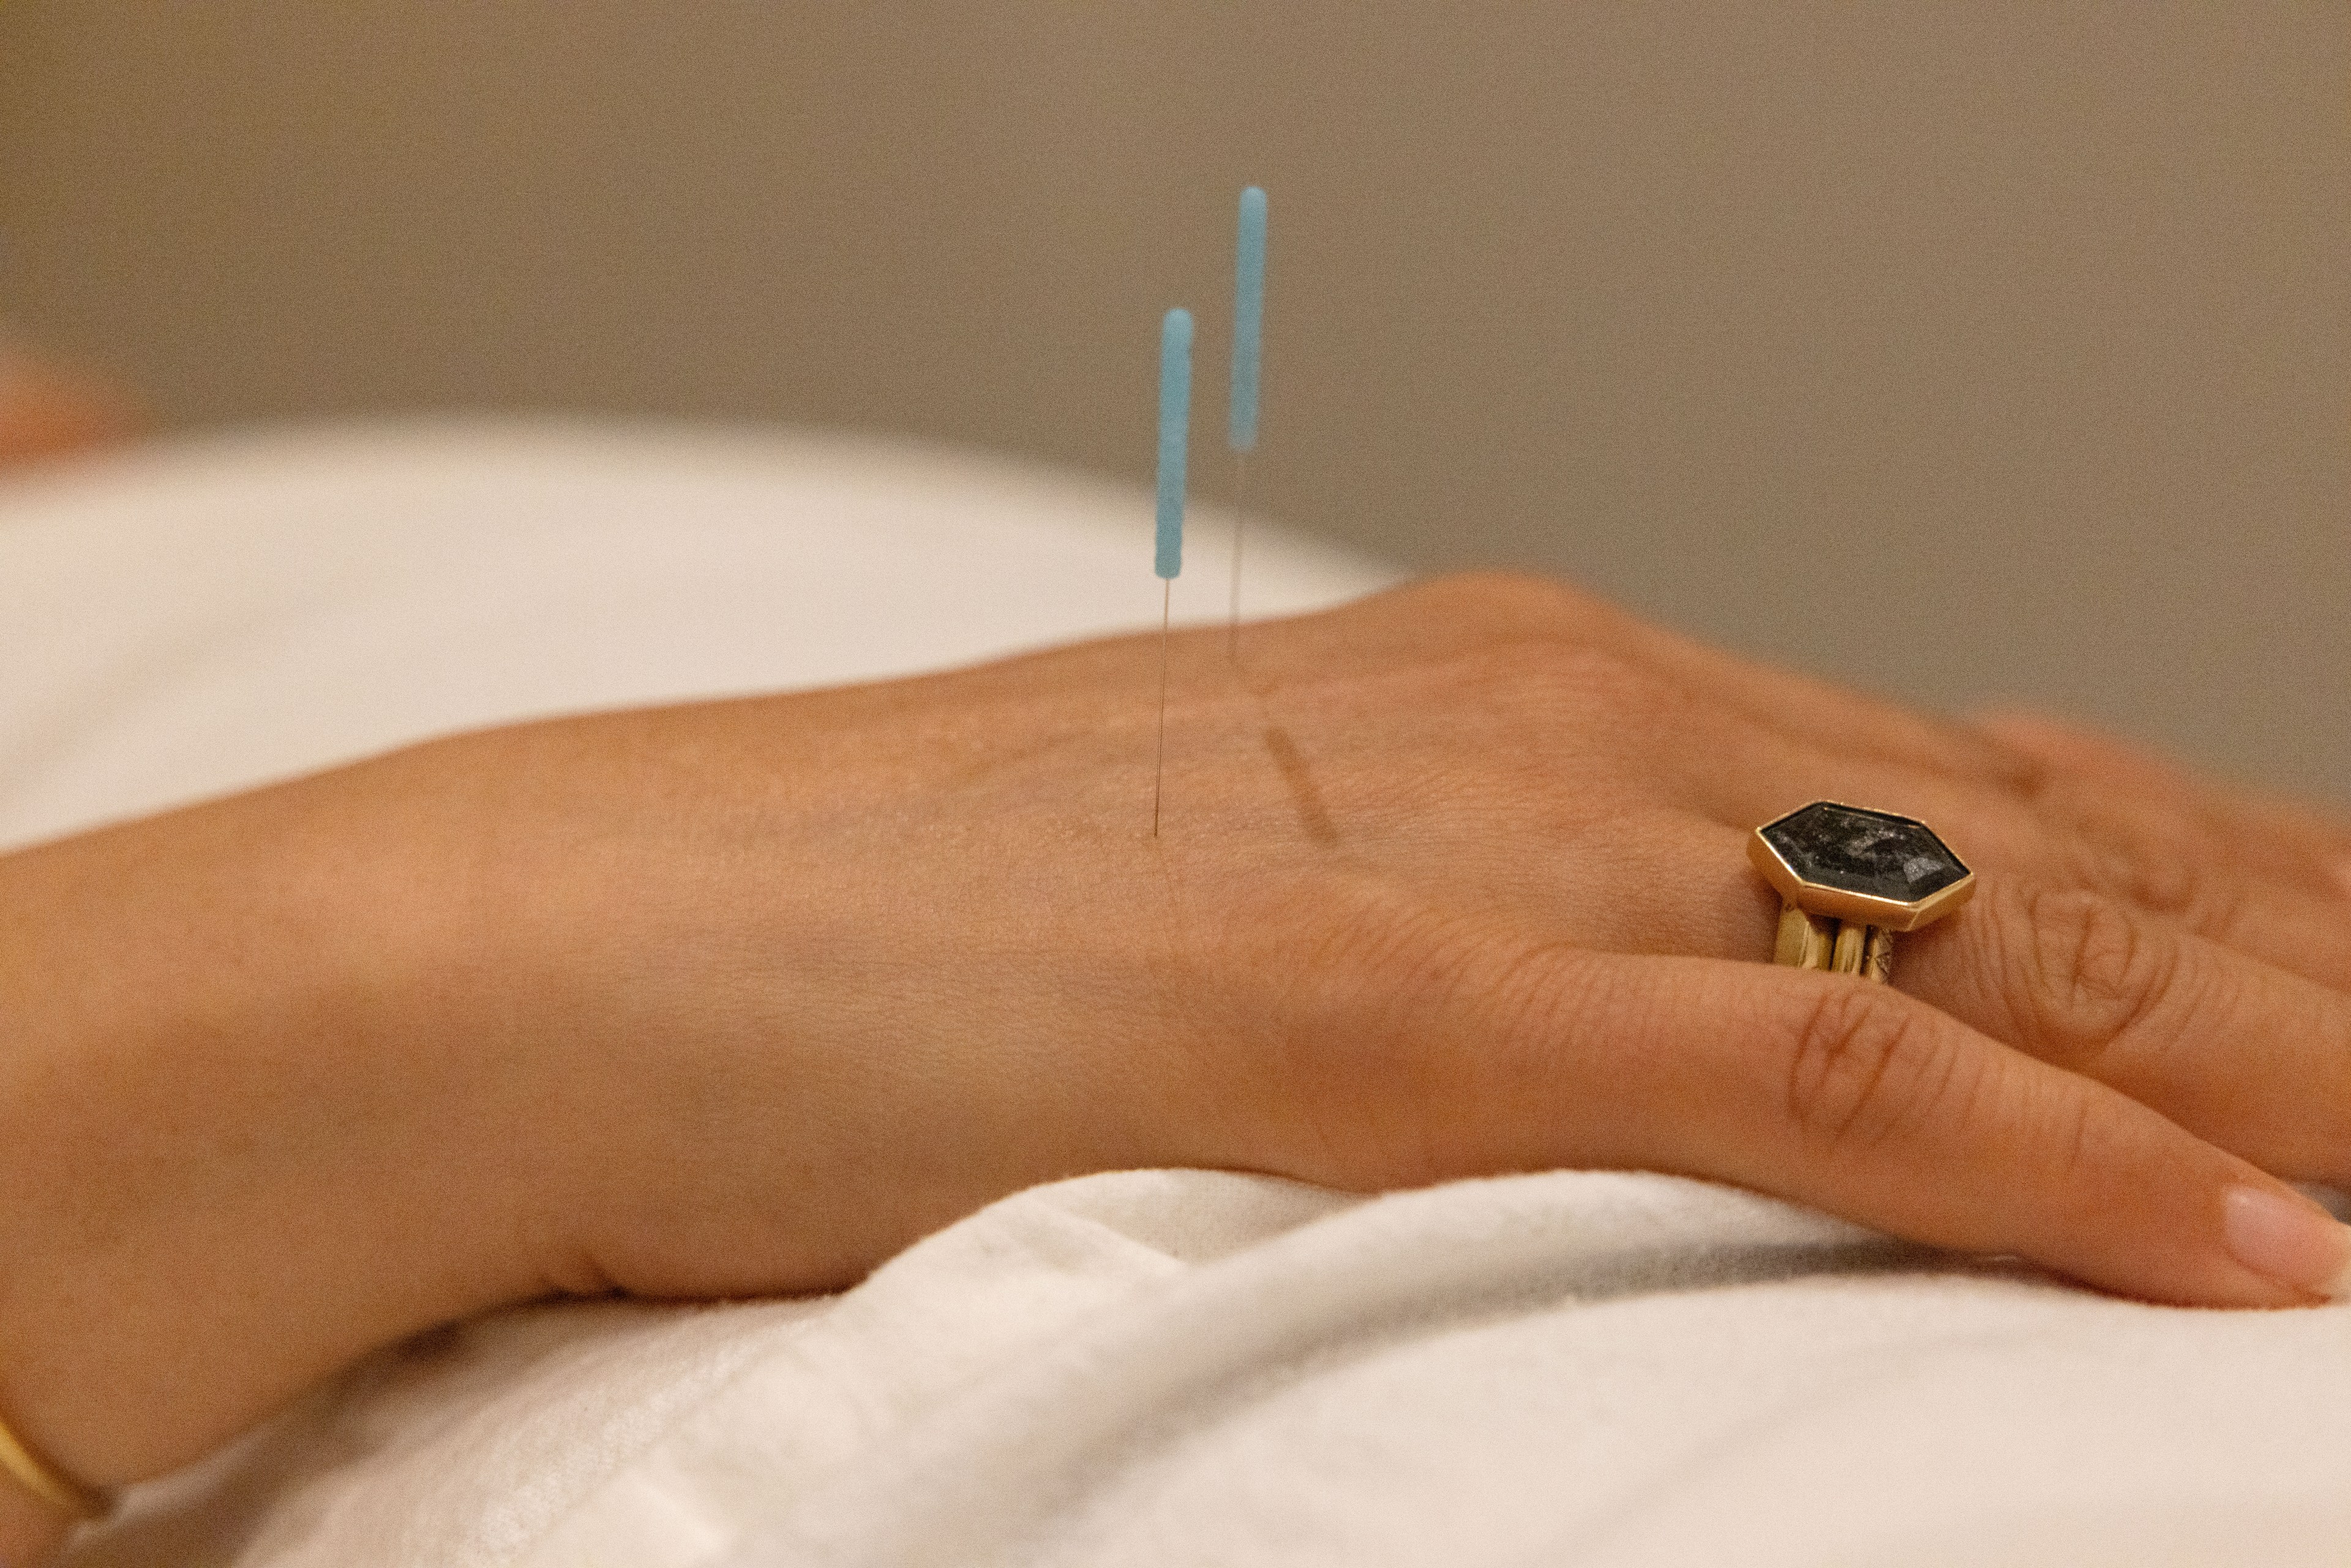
[1872,852]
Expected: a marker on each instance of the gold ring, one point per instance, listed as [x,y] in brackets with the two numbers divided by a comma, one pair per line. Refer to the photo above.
[1848,879]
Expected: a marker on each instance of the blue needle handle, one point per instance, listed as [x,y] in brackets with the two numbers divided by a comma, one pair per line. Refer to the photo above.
[1175,433]
[1248,320]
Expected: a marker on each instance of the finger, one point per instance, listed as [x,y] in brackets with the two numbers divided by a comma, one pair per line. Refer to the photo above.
[2247,1056]
[2152,862]
[2288,837]
[2170,864]
[1466,1050]
[2155,860]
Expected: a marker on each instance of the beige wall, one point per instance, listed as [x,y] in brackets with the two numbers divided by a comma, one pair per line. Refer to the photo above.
[1964,348]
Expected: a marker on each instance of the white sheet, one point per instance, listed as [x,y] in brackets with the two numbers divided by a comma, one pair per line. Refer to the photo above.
[1152,1367]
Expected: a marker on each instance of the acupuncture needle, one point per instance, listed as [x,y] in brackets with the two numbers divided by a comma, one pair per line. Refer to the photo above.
[1240,428]
[1174,435]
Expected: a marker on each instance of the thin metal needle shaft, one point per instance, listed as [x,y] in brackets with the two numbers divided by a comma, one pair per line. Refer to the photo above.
[1159,768]
[1240,526]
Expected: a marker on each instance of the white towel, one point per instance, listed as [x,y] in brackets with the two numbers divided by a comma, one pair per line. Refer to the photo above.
[1142,1367]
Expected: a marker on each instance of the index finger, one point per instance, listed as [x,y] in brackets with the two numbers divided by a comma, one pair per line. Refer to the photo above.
[1515,1053]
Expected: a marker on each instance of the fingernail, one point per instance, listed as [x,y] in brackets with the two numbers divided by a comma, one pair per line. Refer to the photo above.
[2289,1239]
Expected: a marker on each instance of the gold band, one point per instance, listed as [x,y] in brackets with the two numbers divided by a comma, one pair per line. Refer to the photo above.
[45,1481]
[1846,947]
[1805,940]
[1848,879]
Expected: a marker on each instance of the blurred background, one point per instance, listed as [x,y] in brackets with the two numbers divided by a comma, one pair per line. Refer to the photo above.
[1984,348]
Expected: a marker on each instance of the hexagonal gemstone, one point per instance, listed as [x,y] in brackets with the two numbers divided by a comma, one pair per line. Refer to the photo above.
[1872,852]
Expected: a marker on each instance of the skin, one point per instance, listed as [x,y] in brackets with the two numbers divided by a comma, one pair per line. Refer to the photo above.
[47,412]
[744,997]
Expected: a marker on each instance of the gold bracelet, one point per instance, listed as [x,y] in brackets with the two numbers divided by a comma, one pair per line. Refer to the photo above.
[45,1481]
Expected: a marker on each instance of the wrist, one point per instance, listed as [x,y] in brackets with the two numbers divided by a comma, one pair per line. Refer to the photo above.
[217,1193]
[810,1015]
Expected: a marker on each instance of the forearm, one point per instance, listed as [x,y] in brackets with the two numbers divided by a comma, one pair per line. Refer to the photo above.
[684,1003]
[743,997]
[233,1156]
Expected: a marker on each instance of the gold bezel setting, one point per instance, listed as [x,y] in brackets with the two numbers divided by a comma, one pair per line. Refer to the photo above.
[1846,904]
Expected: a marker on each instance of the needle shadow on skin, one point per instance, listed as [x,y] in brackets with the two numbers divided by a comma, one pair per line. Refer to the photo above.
[1312,813]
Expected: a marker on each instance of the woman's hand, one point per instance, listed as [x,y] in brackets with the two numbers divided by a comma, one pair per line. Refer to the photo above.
[744,996]
[47,412]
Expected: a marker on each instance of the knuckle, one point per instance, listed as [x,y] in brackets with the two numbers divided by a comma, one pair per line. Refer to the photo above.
[2167,870]
[2076,1155]
[2092,969]
[1542,653]
[1520,600]
[2165,883]
[1549,681]
[1861,1069]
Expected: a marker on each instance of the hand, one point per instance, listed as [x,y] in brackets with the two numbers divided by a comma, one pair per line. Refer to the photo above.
[47,412]
[744,996]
